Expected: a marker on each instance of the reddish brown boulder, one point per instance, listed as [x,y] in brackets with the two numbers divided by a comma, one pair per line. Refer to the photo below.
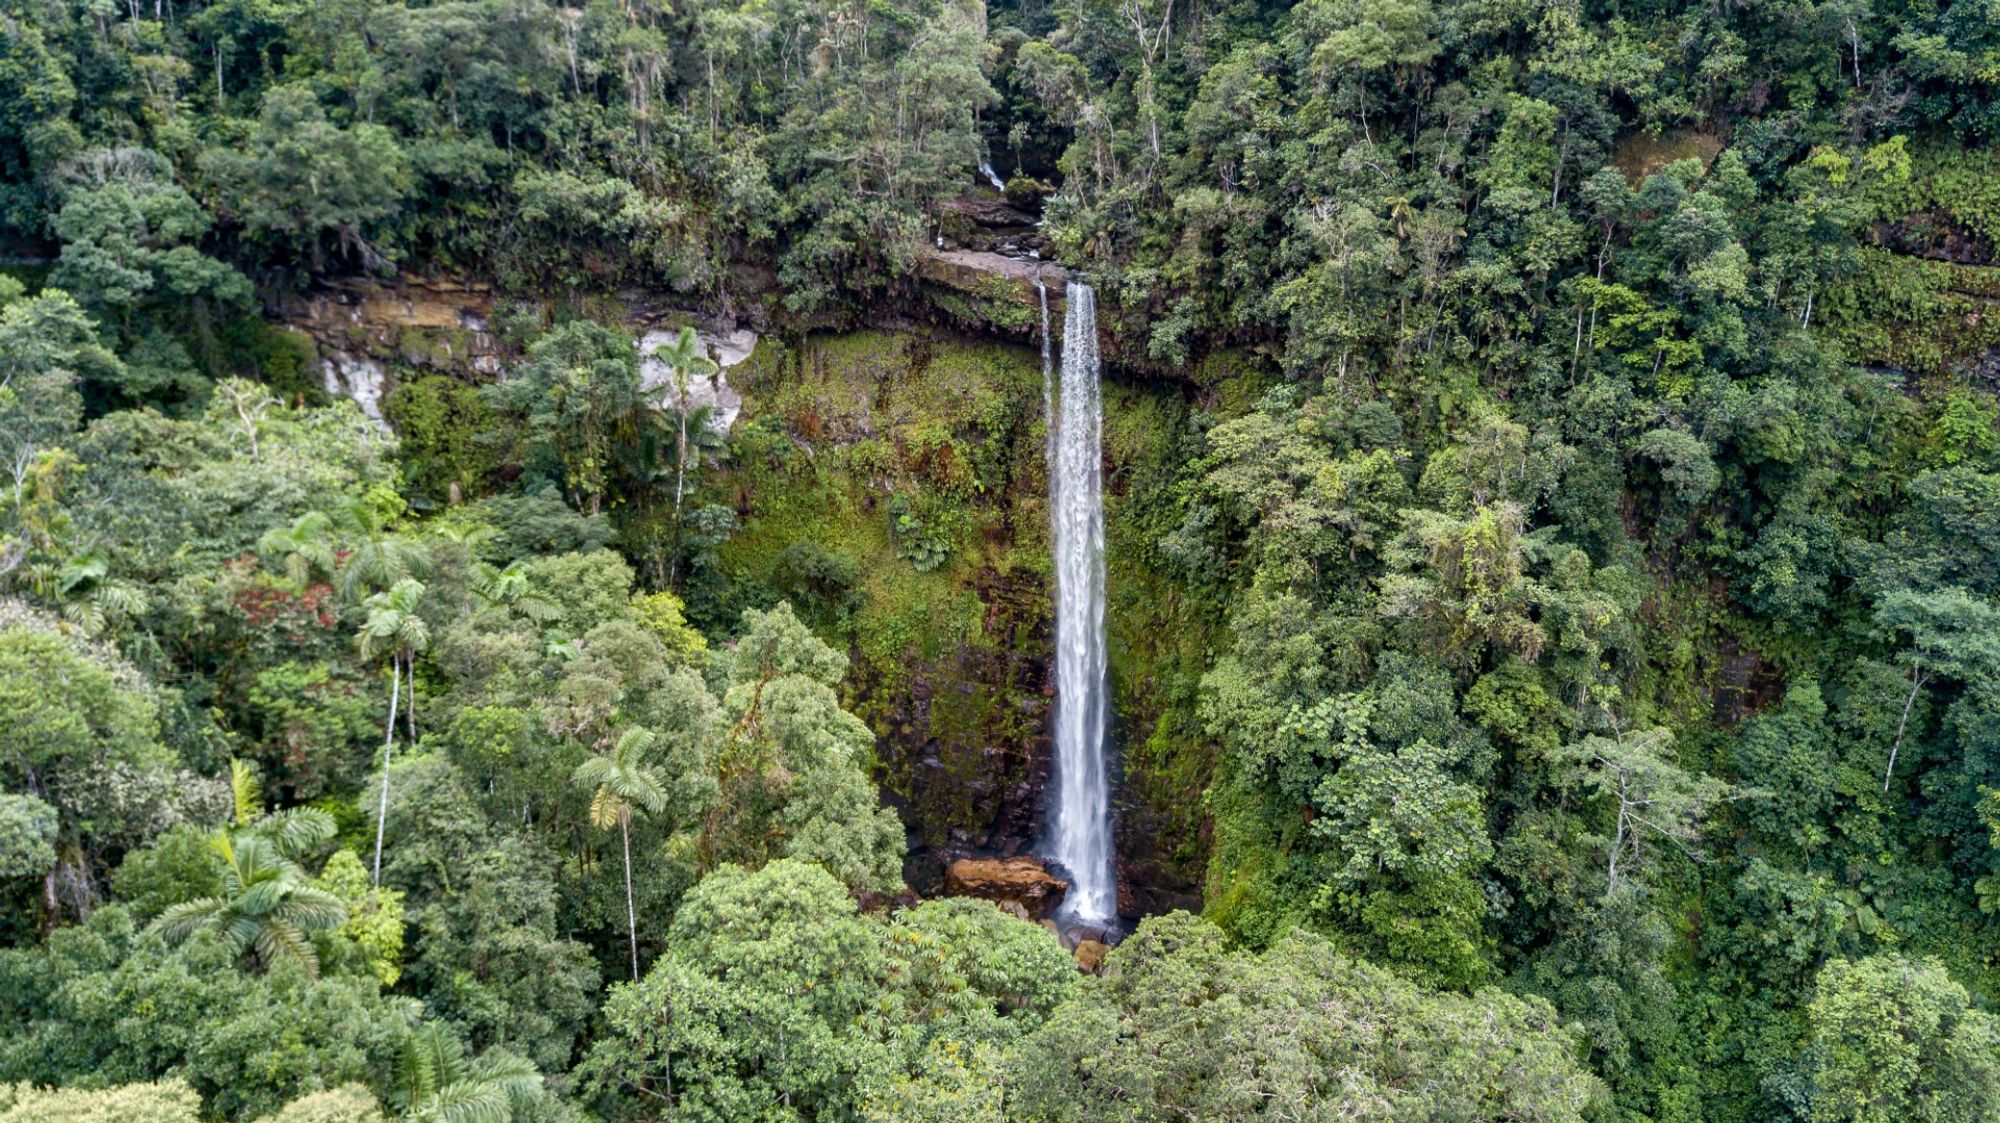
[1023,881]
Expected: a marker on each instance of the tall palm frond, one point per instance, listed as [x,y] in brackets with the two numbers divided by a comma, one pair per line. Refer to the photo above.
[622,777]
[296,830]
[268,907]
[684,355]
[437,1083]
[181,921]
[511,588]
[97,607]
[475,537]
[81,569]
[393,624]
[669,414]
[82,590]
[378,557]
[306,548]
[487,1094]
[243,793]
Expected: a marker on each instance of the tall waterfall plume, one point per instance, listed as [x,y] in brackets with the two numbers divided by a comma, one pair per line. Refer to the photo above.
[1080,814]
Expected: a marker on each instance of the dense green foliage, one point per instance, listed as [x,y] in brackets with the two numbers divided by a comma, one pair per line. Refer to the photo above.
[1554,520]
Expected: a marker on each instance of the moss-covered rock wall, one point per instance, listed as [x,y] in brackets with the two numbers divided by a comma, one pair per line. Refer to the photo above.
[893,484]
[889,485]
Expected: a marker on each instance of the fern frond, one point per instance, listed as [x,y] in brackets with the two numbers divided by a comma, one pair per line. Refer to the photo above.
[243,790]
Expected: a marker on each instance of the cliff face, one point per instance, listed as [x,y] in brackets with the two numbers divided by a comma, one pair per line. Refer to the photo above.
[891,485]
[894,484]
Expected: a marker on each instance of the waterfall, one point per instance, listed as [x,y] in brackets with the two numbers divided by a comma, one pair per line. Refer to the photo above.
[992,177]
[1080,817]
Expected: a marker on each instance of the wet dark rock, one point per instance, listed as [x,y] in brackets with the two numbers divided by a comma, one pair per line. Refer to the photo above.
[1148,887]
[990,210]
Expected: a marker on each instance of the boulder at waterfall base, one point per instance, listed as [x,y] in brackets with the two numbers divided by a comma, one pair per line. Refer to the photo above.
[1023,881]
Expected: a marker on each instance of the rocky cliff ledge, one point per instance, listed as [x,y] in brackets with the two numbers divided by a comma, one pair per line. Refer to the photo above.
[987,291]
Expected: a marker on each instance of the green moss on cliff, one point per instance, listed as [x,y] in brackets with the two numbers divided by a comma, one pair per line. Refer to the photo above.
[1917,314]
[1159,638]
[892,484]
[844,436]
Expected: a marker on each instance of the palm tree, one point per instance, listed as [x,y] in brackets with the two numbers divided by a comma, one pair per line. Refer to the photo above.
[511,588]
[682,358]
[268,905]
[394,626]
[306,547]
[377,557]
[622,779]
[435,1082]
[82,587]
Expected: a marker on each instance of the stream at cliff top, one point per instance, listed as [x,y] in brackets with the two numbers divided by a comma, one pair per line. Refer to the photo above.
[1079,815]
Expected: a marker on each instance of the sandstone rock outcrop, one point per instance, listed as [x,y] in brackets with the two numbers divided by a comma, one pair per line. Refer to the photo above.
[1023,881]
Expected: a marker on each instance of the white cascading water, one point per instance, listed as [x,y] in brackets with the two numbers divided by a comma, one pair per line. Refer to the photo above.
[1080,819]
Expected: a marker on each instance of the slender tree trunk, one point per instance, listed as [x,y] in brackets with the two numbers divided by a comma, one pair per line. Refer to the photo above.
[1617,844]
[1576,351]
[410,700]
[1916,684]
[680,486]
[680,464]
[1617,838]
[388,742]
[631,914]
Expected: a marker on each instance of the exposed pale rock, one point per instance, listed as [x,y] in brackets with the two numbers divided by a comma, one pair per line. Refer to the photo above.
[985,274]
[363,380]
[705,391]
